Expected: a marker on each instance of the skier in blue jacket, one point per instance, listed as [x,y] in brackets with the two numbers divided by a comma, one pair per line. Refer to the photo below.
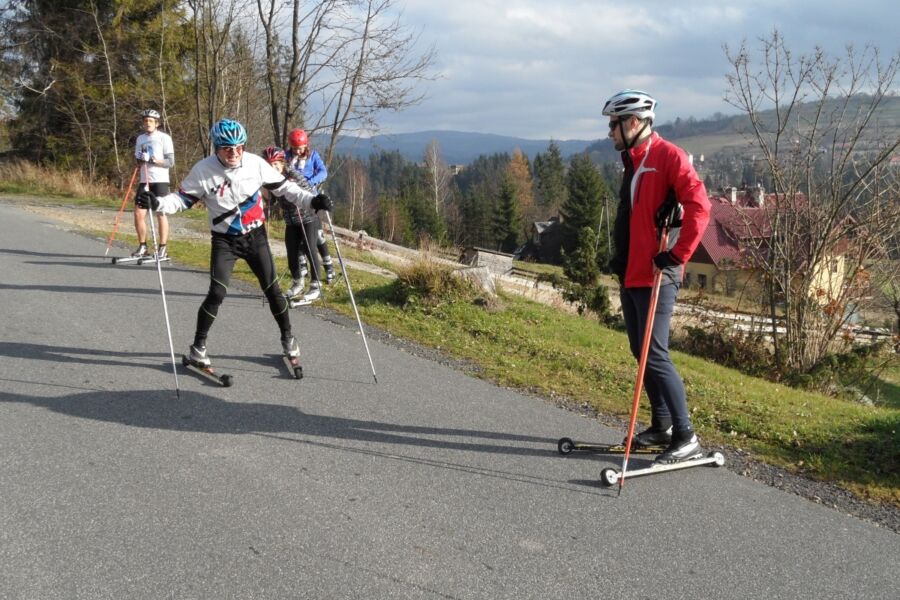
[306,167]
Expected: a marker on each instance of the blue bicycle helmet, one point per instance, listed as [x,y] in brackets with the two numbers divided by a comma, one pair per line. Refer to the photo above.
[228,133]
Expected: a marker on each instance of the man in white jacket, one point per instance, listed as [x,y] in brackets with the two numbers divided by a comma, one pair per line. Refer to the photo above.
[230,183]
[155,155]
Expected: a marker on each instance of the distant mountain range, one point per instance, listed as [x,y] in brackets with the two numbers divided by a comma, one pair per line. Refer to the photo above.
[457,147]
[698,137]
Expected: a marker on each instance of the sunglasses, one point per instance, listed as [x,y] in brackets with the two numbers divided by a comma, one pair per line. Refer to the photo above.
[231,149]
[612,124]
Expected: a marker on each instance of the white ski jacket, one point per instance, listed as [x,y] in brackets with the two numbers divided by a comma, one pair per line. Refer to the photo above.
[233,197]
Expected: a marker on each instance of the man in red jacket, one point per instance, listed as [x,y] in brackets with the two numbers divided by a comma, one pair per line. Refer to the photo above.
[659,182]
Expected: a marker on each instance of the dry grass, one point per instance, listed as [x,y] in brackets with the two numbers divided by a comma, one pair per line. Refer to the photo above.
[20,176]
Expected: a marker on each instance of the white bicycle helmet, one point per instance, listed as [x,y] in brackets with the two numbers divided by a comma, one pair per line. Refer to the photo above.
[630,102]
[150,113]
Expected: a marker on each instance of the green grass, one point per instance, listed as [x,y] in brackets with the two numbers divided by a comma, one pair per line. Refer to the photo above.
[535,348]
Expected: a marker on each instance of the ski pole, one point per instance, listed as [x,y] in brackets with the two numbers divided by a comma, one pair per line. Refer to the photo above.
[337,249]
[112,235]
[642,362]
[162,288]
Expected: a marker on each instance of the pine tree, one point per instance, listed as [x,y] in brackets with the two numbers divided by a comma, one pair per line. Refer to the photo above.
[581,265]
[507,228]
[88,70]
[584,205]
[550,179]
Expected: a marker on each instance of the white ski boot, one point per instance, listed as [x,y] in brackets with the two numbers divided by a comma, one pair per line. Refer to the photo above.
[198,355]
[296,288]
[313,293]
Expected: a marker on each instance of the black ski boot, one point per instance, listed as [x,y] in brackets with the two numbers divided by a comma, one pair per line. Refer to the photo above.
[684,446]
[652,436]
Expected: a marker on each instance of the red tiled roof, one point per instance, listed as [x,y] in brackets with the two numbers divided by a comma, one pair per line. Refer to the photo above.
[727,225]
[742,222]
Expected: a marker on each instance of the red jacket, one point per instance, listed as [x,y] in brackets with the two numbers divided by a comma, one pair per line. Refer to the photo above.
[665,169]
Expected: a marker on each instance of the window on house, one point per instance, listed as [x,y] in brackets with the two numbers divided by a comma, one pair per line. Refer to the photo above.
[701,281]
[688,280]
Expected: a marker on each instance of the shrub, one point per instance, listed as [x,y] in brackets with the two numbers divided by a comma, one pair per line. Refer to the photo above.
[714,340]
[428,283]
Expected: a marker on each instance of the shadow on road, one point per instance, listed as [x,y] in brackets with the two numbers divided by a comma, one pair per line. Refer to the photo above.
[197,412]
[21,252]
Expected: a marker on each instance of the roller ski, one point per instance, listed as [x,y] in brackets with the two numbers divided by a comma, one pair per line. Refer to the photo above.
[567,446]
[292,357]
[306,299]
[137,255]
[198,362]
[649,441]
[142,256]
[610,477]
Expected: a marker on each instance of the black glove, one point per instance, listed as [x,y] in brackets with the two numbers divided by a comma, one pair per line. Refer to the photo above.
[669,213]
[321,202]
[665,259]
[147,199]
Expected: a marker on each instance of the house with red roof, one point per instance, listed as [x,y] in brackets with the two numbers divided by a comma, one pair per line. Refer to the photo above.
[739,226]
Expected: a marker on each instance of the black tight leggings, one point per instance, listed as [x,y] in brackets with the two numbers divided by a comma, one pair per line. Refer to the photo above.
[253,247]
[295,241]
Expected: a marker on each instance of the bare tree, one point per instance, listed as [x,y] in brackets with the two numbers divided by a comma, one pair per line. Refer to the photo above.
[380,71]
[114,126]
[358,190]
[346,61]
[439,175]
[219,48]
[817,123]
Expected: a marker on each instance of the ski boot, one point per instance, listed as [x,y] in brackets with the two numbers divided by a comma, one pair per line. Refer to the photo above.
[304,268]
[141,251]
[652,436]
[296,288]
[329,270]
[684,447]
[292,356]
[197,360]
[162,253]
[313,293]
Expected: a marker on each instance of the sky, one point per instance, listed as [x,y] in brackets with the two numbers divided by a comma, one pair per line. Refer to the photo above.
[543,69]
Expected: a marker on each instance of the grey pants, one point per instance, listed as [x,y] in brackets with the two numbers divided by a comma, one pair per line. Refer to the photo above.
[668,401]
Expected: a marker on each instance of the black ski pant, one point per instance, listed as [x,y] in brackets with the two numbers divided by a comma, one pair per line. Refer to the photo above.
[665,388]
[300,239]
[253,247]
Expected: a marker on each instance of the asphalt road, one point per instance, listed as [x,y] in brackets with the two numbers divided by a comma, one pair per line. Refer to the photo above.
[428,484]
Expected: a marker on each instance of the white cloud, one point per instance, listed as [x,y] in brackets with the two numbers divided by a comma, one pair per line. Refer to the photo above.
[543,69]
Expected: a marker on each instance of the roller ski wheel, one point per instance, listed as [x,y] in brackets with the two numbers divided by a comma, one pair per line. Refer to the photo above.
[293,365]
[207,372]
[567,446]
[609,476]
